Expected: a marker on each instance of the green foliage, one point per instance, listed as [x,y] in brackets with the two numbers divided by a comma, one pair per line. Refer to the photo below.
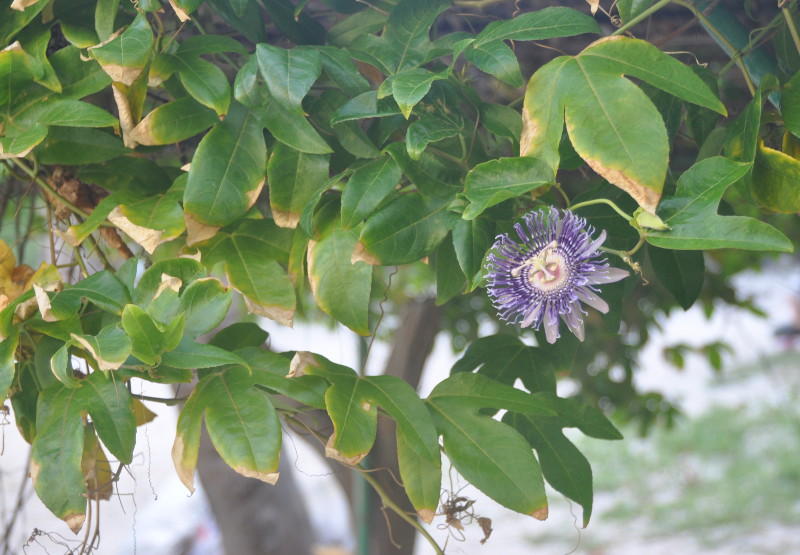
[294,168]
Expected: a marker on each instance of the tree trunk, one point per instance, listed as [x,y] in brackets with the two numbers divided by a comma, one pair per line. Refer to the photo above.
[412,344]
[255,518]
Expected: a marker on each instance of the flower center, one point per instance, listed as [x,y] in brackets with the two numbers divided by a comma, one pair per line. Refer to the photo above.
[549,272]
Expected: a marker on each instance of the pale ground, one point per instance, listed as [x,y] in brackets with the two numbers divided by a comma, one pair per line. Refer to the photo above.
[154,508]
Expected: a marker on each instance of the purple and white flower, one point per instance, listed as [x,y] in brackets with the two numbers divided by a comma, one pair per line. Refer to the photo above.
[549,272]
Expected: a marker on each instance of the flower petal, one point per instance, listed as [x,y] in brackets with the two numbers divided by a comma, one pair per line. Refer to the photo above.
[551,327]
[574,320]
[609,275]
[533,317]
[591,299]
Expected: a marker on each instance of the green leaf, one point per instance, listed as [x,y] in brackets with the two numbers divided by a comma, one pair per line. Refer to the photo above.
[366,105]
[110,348]
[289,73]
[191,355]
[104,14]
[472,239]
[543,112]
[775,183]
[341,288]
[422,479]
[270,372]
[125,56]
[631,8]
[345,32]
[185,269]
[103,289]
[16,72]
[205,82]
[611,123]
[790,104]
[411,86]
[160,212]
[239,335]
[147,339]
[608,119]
[187,436]
[15,20]
[539,25]
[76,234]
[78,146]
[349,133]
[489,454]
[243,425]
[341,69]
[205,303]
[642,60]
[497,59]
[296,24]
[140,175]
[250,23]
[450,279]
[294,179]
[292,129]
[273,241]
[173,122]
[692,214]
[407,32]
[76,20]
[435,177]
[680,272]
[69,113]
[199,45]
[35,40]
[428,129]
[56,455]
[506,359]
[494,181]
[62,368]
[252,270]
[109,403]
[227,172]
[407,229]
[20,144]
[563,465]
[8,348]
[741,143]
[367,187]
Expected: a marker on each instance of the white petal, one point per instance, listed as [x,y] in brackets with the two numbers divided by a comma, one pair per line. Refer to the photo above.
[596,243]
[551,329]
[609,275]
[574,320]
[592,300]
[533,316]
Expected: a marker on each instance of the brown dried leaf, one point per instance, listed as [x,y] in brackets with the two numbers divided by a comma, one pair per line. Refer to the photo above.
[148,238]
[360,254]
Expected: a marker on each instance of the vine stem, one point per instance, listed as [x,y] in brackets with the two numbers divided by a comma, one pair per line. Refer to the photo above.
[49,188]
[644,15]
[387,501]
[735,53]
[593,202]
[787,15]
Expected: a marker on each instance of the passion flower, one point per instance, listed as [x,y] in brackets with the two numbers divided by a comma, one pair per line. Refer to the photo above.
[553,268]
